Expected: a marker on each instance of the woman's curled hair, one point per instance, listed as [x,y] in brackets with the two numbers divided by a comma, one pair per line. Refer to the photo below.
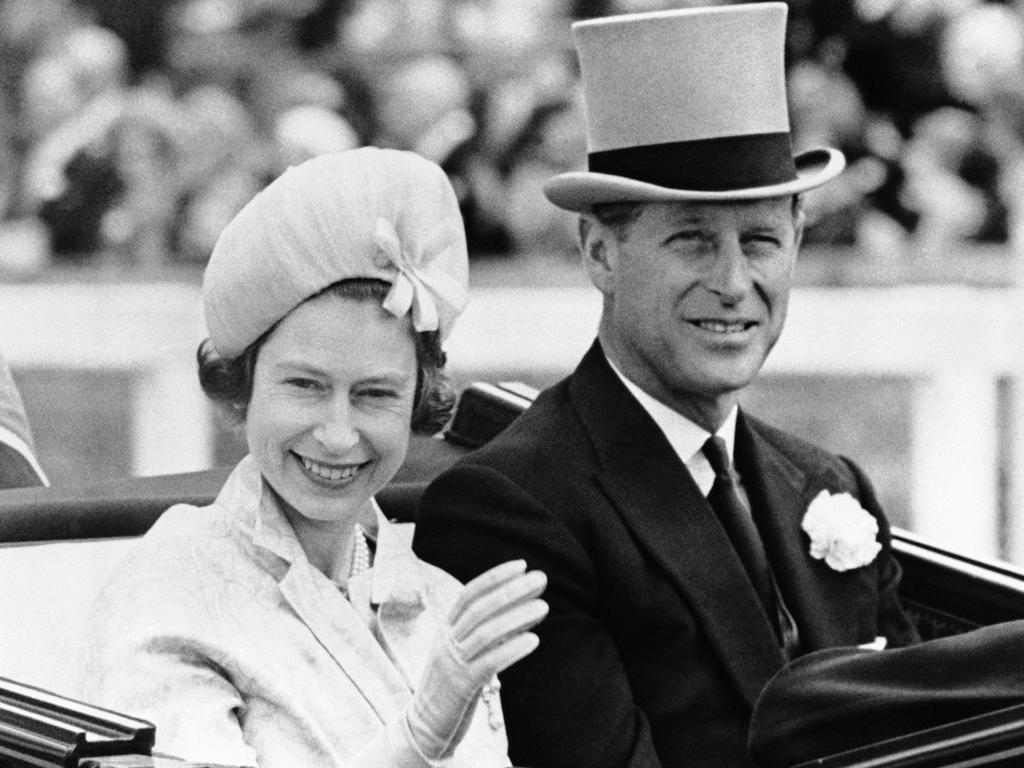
[228,381]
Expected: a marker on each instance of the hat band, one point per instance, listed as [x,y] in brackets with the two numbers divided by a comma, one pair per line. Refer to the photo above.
[708,165]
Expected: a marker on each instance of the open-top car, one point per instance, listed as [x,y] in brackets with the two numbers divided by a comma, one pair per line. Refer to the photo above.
[73,535]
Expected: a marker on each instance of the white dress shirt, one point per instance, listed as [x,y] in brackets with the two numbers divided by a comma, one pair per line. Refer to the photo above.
[686,438]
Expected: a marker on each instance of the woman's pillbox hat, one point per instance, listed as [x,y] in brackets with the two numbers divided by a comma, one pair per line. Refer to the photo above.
[687,104]
[363,213]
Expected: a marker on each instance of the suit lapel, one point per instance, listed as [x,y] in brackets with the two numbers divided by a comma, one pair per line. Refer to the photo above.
[780,492]
[331,619]
[659,502]
[407,629]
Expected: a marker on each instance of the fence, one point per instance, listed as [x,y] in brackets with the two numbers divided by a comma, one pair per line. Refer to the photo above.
[960,347]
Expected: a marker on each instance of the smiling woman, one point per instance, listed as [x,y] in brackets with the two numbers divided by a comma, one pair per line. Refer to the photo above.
[328,421]
[326,409]
[289,622]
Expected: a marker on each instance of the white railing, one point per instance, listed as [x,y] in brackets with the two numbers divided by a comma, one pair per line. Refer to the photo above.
[148,331]
[953,343]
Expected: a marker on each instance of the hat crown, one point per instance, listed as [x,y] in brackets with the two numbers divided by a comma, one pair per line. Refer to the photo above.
[318,223]
[687,104]
[684,75]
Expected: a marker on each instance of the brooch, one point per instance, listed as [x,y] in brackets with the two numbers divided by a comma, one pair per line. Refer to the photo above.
[492,702]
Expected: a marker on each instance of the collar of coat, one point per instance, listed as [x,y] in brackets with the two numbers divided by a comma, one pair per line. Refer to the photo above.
[395,579]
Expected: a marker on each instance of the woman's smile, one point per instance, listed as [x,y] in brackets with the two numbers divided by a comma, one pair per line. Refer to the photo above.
[333,474]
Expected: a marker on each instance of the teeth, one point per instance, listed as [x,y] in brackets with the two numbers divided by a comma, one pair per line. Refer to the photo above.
[718,326]
[329,473]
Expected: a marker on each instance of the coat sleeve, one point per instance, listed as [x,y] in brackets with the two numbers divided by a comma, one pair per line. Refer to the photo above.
[474,517]
[838,699]
[147,658]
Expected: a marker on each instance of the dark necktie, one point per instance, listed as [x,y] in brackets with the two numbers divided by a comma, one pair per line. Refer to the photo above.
[732,512]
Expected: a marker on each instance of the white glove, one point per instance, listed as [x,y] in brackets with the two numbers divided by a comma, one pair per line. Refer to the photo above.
[486,633]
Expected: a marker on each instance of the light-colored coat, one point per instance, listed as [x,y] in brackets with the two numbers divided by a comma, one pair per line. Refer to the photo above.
[218,630]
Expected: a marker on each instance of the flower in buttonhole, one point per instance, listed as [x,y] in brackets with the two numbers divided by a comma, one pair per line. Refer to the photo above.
[842,532]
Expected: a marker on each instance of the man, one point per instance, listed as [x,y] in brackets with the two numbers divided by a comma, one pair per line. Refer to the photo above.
[675,591]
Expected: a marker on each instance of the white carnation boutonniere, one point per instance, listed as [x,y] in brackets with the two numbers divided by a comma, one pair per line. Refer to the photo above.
[843,533]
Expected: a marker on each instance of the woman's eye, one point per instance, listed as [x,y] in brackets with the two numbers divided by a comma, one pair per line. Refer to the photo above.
[379,394]
[300,383]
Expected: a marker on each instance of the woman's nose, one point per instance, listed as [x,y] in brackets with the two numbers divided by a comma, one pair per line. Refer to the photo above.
[336,430]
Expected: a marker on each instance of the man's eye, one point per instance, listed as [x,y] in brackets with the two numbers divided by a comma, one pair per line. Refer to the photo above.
[764,241]
[686,236]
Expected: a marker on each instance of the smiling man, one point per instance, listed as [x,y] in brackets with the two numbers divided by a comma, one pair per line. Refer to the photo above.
[691,549]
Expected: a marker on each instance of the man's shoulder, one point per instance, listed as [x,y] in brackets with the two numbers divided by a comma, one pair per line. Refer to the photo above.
[545,451]
[803,453]
[550,420]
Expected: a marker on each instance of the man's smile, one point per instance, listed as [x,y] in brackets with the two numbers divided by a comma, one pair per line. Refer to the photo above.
[723,326]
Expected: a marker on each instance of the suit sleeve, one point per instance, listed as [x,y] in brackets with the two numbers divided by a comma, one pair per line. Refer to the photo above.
[892,621]
[569,703]
[841,698]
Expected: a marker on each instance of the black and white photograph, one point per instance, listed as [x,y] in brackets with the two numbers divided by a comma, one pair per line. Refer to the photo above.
[511,383]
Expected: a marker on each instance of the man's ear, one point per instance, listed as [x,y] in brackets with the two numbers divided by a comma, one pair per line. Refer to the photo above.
[598,247]
[799,222]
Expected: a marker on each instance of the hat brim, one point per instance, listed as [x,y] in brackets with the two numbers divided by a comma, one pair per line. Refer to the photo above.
[580,190]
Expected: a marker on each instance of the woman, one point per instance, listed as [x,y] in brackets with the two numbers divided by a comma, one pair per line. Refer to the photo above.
[289,623]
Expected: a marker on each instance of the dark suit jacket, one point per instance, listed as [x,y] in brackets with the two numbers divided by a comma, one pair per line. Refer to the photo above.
[838,699]
[656,646]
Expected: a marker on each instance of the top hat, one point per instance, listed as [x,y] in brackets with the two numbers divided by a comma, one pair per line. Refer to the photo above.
[688,105]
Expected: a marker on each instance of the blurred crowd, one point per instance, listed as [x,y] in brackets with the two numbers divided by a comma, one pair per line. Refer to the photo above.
[131,131]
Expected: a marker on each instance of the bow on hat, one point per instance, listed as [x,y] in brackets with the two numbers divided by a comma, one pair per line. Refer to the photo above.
[420,283]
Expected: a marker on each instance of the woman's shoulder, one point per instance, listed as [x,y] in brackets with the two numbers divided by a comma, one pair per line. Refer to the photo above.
[197,535]
[186,521]
[187,527]
[186,547]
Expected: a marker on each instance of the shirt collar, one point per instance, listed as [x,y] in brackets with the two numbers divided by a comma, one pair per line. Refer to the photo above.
[685,437]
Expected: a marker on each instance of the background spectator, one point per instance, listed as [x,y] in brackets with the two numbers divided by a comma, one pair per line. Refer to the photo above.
[133,135]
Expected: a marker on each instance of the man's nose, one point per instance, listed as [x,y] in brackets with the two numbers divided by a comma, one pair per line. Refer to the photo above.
[337,431]
[729,275]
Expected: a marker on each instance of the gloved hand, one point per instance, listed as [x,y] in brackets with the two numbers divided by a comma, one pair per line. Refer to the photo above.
[486,632]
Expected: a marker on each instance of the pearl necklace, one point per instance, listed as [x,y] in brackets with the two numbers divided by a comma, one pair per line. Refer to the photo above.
[361,559]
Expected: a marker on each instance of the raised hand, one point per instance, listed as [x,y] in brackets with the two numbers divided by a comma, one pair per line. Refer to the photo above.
[487,631]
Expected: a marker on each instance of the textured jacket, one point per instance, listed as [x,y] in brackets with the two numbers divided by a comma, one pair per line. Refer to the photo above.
[219,630]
